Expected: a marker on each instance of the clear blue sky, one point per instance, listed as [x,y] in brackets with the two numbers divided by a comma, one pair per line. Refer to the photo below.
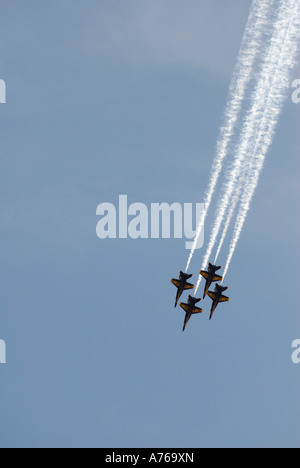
[126,97]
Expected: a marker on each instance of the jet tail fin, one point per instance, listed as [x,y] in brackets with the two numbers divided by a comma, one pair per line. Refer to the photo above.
[213,267]
[187,276]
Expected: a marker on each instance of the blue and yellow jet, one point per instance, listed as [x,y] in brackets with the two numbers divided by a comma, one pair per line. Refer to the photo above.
[210,277]
[182,285]
[190,309]
[217,297]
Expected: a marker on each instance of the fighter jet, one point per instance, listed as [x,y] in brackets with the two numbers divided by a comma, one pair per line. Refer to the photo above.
[182,285]
[210,277]
[217,297]
[190,309]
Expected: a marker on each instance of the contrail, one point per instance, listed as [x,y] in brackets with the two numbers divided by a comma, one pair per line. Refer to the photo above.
[234,203]
[251,44]
[278,91]
[229,216]
[253,120]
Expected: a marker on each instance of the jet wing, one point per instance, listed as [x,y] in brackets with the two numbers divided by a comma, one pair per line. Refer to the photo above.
[204,274]
[176,283]
[212,295]
[224,299]
[185,307]
[217,278]
[188,286]
[197,310]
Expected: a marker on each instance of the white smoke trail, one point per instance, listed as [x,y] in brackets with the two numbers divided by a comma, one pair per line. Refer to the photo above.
[278,91]
[252,42]
[229,216]
[253,119]
[234,202]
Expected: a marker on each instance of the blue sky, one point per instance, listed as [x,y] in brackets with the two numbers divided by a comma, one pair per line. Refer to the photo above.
[126,97]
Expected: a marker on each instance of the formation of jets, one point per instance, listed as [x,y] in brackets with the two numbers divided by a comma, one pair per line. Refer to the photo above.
[216,296]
